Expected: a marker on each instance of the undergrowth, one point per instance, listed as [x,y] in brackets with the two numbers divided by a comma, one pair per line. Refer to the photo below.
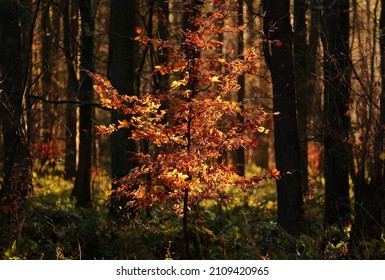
[49,226]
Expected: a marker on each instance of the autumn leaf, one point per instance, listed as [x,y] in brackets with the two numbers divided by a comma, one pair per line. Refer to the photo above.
[278,43]
[215,79]
[193,120]
[275,174]
[261,129]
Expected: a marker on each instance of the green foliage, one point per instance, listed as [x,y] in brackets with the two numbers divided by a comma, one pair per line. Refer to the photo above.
[51,227]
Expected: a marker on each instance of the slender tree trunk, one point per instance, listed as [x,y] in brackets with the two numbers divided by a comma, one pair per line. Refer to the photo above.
[82,188]
[301,84]
[279,57]
[191,10]
[369,197]
[336,110]
[72,88]
[240,153]
[47,75]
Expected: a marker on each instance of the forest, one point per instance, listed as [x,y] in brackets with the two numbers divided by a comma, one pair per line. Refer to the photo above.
[192,129]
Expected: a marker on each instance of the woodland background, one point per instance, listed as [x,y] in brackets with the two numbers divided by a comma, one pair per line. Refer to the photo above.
[152,129]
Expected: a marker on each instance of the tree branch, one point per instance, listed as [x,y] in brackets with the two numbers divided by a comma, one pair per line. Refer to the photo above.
[78,103]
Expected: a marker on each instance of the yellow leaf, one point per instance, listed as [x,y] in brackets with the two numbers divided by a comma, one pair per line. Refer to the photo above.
[215,79]
[382,156]
[175,84]
[178,66]
[261,129]
[182,176]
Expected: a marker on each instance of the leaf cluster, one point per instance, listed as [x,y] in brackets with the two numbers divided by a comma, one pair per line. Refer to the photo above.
[191,124]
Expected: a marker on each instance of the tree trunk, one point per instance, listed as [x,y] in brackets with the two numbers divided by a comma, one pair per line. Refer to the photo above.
[301,84]
[369,197]
[278,54]
[82,188]
[72,88]
[123,60]
[14,60]
[335,39]
[240,153]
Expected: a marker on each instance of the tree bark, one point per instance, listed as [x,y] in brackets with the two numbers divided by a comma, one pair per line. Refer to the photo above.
[72,88]
[369,197]
[123,60]
[240,153]
[14,60]
[82,188]
[279,57]
[335,39]
[301,84]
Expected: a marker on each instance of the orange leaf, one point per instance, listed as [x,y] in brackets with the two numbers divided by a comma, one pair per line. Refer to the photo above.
[278,43]
[275,174]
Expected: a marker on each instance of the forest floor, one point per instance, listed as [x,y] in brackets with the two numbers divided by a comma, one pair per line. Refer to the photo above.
[51,227]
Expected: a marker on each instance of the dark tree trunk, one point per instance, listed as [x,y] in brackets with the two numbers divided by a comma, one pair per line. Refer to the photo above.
[14,62]
[301,84]
[369,197]
[72,88]
[82,188]
[162,56]
[190,12]
[335,39]
[240,153]
[123,60]
[279,57]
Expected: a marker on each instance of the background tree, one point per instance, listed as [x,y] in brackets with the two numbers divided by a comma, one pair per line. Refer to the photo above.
[70,14]
[82,188]
[369,188]
[123,62]
[335,39]
[14,54]
[278,53]
[303,93]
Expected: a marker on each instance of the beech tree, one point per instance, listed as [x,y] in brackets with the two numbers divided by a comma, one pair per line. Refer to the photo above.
[198,125]
[278,54]
[240,159]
